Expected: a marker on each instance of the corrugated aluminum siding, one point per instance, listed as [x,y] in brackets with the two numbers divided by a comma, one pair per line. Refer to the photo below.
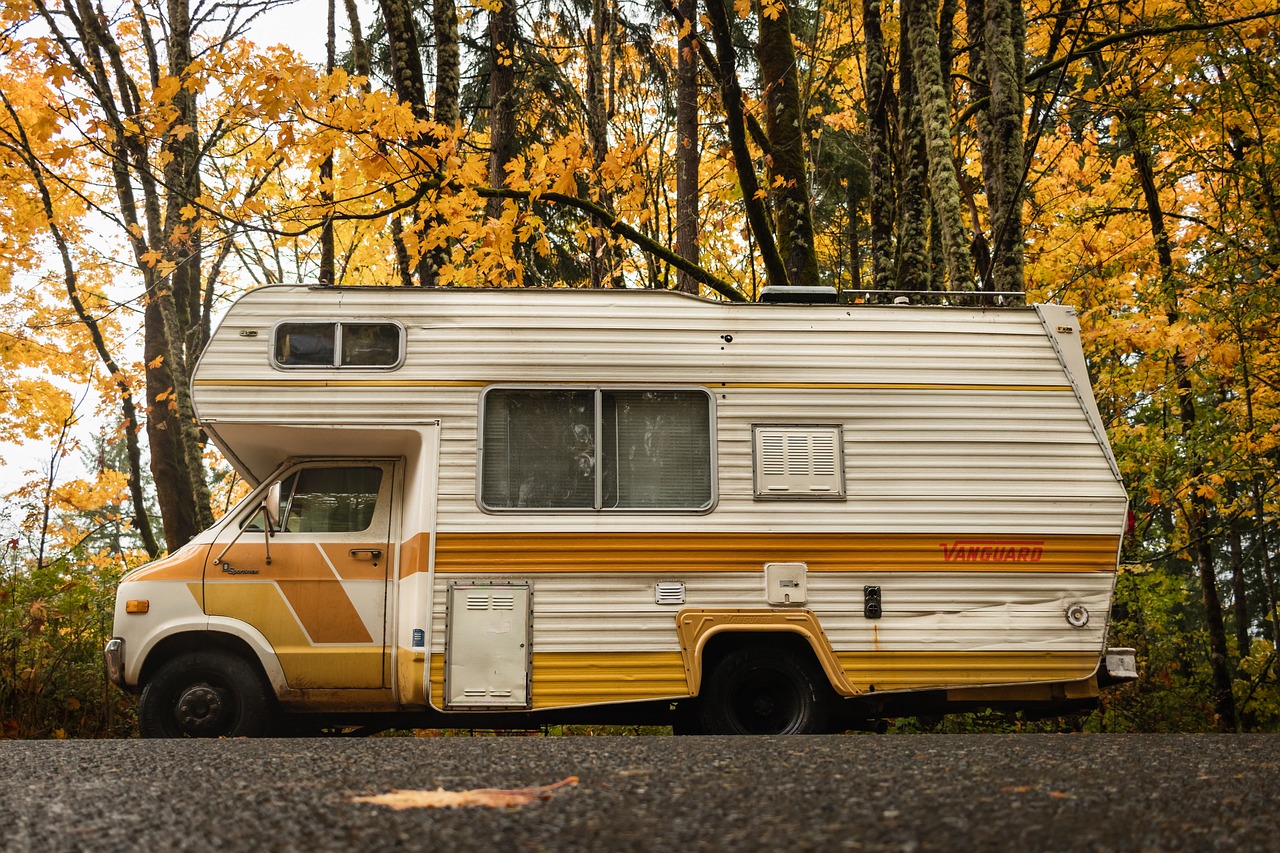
[955,420]
[923,611]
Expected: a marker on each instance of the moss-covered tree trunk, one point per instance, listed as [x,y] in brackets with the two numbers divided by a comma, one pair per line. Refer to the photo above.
[1004,46]
[913,261]
[444,22]
[944,186]
[784,125]
[879,94]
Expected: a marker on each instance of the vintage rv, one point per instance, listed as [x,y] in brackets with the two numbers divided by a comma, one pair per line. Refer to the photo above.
[506,507]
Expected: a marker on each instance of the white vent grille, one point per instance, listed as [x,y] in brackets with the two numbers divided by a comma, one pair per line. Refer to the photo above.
[668,592]
[493,602]
[799,461]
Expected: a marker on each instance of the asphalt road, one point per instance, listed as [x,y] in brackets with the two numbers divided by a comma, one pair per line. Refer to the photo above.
[855,792]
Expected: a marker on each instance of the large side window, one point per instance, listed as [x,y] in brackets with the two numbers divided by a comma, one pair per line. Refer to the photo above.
[338,344]
[329,500]
[596,450]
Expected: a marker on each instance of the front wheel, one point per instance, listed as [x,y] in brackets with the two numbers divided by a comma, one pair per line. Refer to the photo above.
[762,689]
[205,694]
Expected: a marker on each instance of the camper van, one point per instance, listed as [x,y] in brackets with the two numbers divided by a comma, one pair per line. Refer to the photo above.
[509,507]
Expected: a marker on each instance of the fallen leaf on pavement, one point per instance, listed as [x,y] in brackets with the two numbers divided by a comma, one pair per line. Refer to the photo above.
[494,798]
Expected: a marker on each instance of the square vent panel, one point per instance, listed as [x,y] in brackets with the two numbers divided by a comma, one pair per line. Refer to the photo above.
[798,461]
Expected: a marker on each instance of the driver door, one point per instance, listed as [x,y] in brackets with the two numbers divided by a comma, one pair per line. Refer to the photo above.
[317,588]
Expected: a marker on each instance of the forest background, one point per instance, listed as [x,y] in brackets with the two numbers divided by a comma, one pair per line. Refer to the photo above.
[1116,156]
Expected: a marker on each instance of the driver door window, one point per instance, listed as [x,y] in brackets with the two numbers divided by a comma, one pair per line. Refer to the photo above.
[330,500]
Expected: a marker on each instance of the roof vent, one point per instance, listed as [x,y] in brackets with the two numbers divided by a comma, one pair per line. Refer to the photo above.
[800,295]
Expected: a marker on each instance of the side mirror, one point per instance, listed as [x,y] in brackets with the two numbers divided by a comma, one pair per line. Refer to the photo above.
[271,506]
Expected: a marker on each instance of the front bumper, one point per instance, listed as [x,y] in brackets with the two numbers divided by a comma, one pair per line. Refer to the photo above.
[113,654]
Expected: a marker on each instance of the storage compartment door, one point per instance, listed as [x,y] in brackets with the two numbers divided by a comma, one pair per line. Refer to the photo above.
[487,644]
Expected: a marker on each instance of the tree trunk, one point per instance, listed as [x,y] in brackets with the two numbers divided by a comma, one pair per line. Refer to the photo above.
[1198,512]
[406,77]
[502,98]
[1264,546]
[1259,505]
[913,259]
[327,249]
[980,84]
[944,186]
[129,412]
[444,20]
[688,146]
[1239,595]
[173,314]
[855,196]
[1004,33]
[879,89]
[361,60]
[785,125]
[601,261]
[359,47]
[775,270]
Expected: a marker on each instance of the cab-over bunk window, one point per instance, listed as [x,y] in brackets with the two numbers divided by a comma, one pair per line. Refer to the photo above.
[596,449]
[338,344]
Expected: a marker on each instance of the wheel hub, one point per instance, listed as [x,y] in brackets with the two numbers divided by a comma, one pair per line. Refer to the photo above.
[202,710]
[764,705]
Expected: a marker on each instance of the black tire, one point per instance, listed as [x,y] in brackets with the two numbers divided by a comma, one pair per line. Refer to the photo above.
[205,694]
[765,689]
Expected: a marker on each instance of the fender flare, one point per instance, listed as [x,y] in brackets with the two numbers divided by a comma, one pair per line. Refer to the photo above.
[697,627]
[250,636]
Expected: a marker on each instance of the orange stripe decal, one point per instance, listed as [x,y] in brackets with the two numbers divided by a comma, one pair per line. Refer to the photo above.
[532,553]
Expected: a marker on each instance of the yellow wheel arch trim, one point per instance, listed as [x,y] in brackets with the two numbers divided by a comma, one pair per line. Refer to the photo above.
[696,627]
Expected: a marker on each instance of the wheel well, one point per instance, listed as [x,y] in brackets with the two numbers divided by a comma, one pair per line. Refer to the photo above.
[724,642]
[198,641]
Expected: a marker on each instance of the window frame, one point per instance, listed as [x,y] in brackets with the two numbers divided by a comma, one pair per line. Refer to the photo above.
[382,520]
[337,323]
[597,508]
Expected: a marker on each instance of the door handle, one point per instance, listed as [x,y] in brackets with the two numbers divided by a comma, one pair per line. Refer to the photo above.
[365,553]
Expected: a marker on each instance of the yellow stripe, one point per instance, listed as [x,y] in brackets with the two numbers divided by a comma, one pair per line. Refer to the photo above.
[891,386]
[477,383]
[567,679]
[410,664]
[338,383]
[531,553]
[905,670]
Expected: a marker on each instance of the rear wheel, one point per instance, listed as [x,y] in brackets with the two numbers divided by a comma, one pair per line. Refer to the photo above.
[205,694]
[764,689]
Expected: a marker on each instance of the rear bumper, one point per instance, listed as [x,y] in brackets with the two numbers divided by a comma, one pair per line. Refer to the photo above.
[113,656]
